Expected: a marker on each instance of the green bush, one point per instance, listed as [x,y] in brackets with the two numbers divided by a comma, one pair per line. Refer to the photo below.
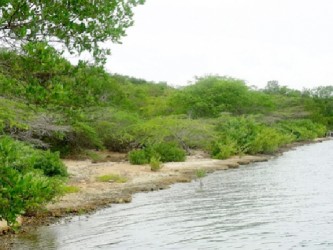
[25,184]
[24,192]
[24,158]
[200,173]
[302,129]
[49,163]
[138,157]
[84,136]
[268,140]
[165,152]
[239,135]
[115,128]
[155,163]
[168,152]
[224,149]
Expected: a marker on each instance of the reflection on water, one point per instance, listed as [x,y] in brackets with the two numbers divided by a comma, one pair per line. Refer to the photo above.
[286,203]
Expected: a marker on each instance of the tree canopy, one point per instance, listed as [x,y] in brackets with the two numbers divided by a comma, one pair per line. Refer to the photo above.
[80,25]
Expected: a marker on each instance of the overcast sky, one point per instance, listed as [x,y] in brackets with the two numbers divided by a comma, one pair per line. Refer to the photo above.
[256,40]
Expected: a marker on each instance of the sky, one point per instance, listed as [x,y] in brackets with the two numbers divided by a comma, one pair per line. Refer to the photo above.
[173,41]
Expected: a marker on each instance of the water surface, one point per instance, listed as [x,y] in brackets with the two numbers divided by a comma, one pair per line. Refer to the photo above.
[286,203]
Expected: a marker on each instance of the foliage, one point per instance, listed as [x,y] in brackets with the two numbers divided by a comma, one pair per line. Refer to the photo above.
[24,178]
[138,157]
[200,173]
[79,25]
[187,133]
[245,135]
[268,140]
[112,178]
[22,192]
[115,128]
[155,163]
[49,163]
[223,149]
[167,152]
[212,95]
[85,136]
[24,158]
[164,152]
[303,129]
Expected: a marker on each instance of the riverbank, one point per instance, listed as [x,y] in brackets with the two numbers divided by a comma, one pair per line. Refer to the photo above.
[93,194]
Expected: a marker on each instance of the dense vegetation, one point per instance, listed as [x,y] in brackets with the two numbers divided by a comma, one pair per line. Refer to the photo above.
[50,107]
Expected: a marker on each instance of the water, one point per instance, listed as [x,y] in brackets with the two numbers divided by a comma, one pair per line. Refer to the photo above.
[286,203]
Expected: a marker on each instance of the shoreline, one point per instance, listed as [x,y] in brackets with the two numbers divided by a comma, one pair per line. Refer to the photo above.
[94,195]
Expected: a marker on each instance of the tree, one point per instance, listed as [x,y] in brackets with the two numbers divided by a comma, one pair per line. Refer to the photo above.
[80,25]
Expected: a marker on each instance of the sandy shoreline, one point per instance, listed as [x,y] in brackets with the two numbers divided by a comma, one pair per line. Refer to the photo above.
[94,194]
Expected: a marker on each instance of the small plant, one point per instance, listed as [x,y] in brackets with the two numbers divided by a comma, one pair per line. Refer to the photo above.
[200,173]
[70,189]
[112,178]
[155,164]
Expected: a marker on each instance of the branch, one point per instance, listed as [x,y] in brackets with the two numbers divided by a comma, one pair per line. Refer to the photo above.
[12,16]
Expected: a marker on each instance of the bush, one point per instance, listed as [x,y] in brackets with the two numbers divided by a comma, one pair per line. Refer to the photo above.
[245,135]
[155,164]
[200,173]
[24,158]
[268,140]
[85,136]
[302,129]
[23,192]
[49,163]
[168,152]
[165,152]
[24,178]
[115,128]
[225,149]
[138,157]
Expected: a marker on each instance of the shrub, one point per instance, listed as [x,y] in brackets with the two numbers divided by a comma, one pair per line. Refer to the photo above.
[155,163]
[23,192]
[200,173]
[268,140]
[85,136]
[164,152]
[115,128]
[49,163]
[244,135]
[168,152]
[24,158]
[138,157]
[224,149]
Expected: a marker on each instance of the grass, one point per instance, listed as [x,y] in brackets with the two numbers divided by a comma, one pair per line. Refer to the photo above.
[112,178]
[200,173]
[70,189]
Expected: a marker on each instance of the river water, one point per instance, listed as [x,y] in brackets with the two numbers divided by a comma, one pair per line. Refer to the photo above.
[286,203]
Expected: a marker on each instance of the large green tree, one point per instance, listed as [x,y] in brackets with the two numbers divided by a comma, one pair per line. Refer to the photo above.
[80,25]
